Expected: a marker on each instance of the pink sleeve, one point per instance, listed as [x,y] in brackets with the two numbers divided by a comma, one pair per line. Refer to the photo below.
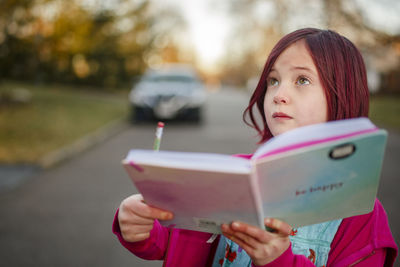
[289,259]
[152,248]
[377,258]
[364,239]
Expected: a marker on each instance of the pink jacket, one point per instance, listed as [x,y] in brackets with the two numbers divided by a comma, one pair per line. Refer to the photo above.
[364,240]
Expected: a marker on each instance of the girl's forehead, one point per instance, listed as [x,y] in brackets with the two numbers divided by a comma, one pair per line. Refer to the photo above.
[296,55]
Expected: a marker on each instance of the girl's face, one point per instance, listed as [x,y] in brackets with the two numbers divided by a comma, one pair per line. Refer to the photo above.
[294,95]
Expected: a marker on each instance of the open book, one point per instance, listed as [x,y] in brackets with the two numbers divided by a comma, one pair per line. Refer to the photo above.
[305,176]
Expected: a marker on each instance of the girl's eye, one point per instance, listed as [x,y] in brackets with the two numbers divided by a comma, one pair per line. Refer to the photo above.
[272,82]
[303,81]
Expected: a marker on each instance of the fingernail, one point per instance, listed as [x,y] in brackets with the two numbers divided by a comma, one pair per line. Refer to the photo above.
[268,221]
[235,224]
[166,216]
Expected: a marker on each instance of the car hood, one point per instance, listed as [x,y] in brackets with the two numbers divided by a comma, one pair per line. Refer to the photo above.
[166,88]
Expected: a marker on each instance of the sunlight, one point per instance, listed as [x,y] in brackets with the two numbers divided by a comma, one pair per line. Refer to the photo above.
[207,28]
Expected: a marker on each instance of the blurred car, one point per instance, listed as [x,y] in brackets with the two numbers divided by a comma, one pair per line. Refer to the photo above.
[171,92]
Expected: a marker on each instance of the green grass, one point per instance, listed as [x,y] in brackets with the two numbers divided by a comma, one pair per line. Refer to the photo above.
[56,116]
[385,112]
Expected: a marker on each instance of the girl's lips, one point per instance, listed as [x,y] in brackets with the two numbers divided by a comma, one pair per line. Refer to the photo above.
[280,115]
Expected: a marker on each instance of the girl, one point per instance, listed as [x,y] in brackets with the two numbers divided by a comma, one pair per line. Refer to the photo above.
[311,76]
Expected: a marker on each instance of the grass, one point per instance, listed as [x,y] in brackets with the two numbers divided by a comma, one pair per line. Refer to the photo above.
[55,116]
[385,112]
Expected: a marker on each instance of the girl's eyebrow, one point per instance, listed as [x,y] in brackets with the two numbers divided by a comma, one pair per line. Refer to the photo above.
[302,68]
[296,68]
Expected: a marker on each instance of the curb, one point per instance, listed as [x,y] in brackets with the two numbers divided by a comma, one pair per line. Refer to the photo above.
[82,144]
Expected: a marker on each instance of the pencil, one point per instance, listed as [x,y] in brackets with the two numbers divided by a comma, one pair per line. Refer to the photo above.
[157,140]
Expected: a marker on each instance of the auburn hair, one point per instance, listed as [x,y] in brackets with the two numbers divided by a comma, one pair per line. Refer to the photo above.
[341,70]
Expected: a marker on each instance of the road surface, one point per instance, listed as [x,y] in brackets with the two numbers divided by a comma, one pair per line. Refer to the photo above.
[62,216]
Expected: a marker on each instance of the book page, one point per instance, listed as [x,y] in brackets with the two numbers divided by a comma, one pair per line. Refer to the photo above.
[189,160]
[309,135]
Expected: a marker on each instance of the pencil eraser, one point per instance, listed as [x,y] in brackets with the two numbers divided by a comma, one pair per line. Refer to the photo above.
[160,124]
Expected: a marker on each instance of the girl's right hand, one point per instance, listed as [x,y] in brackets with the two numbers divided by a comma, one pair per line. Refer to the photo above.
[136,218]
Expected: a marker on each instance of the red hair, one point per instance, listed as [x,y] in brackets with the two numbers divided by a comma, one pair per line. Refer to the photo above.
[341,70]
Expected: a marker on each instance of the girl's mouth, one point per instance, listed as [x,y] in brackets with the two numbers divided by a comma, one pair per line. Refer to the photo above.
[280,115]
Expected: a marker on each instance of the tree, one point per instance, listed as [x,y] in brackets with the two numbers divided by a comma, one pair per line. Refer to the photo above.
[69,41]
[15,18]
[262,23]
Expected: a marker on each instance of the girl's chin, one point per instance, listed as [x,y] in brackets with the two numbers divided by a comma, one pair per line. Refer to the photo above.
[281,130]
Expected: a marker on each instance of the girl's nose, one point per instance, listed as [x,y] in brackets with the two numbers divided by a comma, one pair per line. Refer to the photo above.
[281,97]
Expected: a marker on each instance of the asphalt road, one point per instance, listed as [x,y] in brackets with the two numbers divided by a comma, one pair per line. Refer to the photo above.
[62,216]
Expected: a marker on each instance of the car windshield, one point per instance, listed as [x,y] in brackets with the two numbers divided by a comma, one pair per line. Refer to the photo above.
[170,78]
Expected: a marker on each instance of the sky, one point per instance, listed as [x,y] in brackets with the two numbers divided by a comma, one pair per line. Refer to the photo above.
[209,26]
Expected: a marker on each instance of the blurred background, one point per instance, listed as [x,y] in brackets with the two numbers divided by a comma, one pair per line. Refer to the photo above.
[66,72]
[53,52]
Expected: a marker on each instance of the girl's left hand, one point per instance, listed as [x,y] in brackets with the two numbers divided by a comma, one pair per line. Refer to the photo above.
[262,246]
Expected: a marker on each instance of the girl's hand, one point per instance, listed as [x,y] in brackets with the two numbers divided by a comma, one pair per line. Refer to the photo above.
[262,246]
[136,218]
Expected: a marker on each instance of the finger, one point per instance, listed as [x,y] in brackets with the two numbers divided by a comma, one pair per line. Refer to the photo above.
[141,220]
[249,240]
[132,218]
[249,250]
[226,228]
[255,232]
[152,212]
[279,226]
[235,227]
[135,237]
[231,234]
[134,204]
[136,229]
